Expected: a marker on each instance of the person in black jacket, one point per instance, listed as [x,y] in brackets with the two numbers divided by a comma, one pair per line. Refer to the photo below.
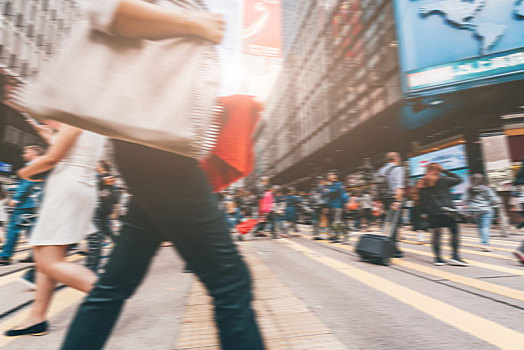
[436,201]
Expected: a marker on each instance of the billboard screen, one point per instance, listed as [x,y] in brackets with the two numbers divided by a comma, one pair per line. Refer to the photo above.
[448,45]
[262,28]
[450,158]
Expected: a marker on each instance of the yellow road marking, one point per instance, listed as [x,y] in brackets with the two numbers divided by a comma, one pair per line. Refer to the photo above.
[488,254]
[489,331]
[487,266]
[509,270]
[63,299]
[16,275]
[466,244]
[467,281]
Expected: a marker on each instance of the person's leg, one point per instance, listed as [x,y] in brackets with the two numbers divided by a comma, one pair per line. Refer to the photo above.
[436,233]
[455,240]
[175,194]
[127,266]
[50,261]
[94,250]
[12,233]
[45,287]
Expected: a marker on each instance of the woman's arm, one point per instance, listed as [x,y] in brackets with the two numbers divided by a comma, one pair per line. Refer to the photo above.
[451,179]
[139,19]
[65,139]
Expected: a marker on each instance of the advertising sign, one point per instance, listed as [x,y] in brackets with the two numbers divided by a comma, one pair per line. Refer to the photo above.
[5,167]
[450,158]
[262,28]
[456,44]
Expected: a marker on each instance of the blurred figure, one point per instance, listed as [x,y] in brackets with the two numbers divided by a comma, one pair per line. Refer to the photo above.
[108,197]
[366,205]
[23,204]
[336,198]
[481,202]
[418,222]
[280,209]
[354,208]
[3,214]
[519,184]
[318,204]
[391,182]
[291,213]
[64,219]
[437,203]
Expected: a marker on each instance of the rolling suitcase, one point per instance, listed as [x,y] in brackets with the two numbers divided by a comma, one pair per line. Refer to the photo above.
[379,249]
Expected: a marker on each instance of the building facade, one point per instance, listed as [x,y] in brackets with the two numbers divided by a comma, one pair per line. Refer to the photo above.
[30,33]
[347,94]
[340,70]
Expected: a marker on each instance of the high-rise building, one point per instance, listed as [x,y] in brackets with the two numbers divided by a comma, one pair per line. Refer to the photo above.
[340,70]
[30,33]
[364,77]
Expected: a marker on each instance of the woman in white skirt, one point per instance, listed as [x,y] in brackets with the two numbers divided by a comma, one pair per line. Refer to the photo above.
[66,215]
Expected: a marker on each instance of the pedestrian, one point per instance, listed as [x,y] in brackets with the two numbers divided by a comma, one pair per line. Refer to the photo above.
[172,200]
[336,198]
[65,218]
[437,204]
[23,205]
[519,185]
[292,203]
[391,184]
[108,197]
[280,208]
[481,202]
[3,214]
[318,205]
[366,204]
[354,208]
[419,224]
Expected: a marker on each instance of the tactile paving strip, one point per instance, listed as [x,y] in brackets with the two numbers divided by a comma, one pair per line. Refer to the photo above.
[284,320]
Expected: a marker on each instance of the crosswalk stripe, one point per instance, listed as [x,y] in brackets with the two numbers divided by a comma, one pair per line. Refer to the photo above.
[498,335]
[487,266]
[471,282]
[469,251]
[468,244]
[509,270]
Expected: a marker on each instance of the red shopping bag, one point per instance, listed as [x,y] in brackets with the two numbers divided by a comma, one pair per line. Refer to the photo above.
[246,226]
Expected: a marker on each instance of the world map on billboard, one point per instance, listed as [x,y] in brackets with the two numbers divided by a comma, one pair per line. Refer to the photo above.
[464,14]
[448,45]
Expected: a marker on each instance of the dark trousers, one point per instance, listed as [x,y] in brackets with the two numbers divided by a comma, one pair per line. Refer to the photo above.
[437,233]
[95,241]
[171,200]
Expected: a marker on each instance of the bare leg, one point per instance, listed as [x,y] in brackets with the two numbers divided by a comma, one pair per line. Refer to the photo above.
[50,261]
[52,268]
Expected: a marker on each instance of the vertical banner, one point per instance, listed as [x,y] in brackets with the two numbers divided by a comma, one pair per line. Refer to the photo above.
[262,30]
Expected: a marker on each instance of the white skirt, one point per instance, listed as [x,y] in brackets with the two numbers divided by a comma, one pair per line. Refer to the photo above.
[69,201]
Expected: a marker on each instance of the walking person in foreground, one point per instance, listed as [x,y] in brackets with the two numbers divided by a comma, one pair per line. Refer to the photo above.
[481,202]
[65,218]
[436,201]
[172,200]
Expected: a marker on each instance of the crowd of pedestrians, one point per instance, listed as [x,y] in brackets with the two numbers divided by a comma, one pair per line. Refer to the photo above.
[68,193]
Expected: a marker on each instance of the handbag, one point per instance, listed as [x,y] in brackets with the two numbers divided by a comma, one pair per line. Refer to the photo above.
[156,93]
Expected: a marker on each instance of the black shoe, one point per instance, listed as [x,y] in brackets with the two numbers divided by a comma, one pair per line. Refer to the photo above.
[398,254]
[439,262]
[317,238]
[5,261]
[29,259]
[37,329]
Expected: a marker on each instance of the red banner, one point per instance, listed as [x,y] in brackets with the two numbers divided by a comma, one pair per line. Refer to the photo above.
[262,33]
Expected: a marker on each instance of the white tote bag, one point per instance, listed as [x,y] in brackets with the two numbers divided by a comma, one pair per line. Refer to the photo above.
[156,93]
